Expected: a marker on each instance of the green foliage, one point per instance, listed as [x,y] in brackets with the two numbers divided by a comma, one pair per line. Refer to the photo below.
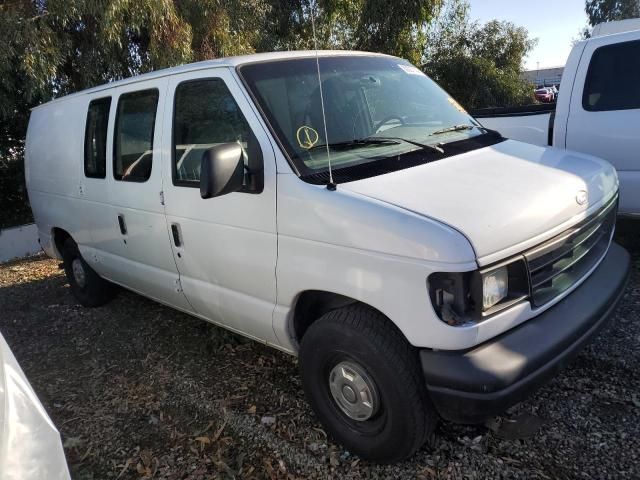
[49,48]
[395,27]
[476,82]
[479,65]
[600,11]
[13,192]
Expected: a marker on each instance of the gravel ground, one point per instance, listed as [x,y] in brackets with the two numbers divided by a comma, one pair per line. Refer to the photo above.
[138,390]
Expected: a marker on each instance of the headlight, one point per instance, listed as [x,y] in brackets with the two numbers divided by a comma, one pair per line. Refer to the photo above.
[470,297]
[495,287]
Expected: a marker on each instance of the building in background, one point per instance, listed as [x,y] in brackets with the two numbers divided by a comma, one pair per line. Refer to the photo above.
[544,76]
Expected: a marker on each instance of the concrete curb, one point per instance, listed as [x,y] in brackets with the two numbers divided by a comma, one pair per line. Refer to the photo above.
[18,242]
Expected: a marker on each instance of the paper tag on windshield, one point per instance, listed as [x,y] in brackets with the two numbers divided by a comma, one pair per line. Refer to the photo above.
[456,105]
[410,69]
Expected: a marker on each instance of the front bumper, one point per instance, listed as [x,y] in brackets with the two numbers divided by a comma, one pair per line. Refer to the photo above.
[471,385]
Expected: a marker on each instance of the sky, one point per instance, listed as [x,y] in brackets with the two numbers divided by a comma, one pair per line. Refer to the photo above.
[554,23]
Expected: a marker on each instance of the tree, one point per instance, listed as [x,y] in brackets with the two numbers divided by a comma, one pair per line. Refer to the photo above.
[395,27]
[479,65]
[53,47]
[49,48]
[600,11]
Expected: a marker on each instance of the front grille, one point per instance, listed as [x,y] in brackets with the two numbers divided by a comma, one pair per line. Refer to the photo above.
[556,265]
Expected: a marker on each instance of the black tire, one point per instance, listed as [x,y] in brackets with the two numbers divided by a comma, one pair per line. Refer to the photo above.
[93,291]
[360,335]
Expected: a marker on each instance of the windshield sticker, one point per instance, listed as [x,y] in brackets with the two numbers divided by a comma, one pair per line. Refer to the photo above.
[456,105]
[410,69]
[307,137]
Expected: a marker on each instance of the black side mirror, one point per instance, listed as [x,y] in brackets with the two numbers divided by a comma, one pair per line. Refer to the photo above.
[221,170]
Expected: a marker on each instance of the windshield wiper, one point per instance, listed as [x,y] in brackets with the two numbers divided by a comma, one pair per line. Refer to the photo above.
[358,142]
[454,128]
[424,146]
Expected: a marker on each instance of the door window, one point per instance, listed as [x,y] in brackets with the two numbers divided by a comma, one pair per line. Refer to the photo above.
[133,142]
[205,115]
[613,78]
[95,138]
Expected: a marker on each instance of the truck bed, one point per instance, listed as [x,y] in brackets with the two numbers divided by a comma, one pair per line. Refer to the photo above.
[528,123]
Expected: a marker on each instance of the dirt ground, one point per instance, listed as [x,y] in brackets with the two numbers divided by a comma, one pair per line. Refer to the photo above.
[138,390]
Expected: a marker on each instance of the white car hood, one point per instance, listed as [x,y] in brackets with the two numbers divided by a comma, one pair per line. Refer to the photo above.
[30,447]
[503,198]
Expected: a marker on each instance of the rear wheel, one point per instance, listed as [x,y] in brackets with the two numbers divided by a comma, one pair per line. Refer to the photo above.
[86,285]
[363,380]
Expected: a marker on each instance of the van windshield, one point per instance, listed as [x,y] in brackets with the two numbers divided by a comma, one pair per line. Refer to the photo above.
[375,107]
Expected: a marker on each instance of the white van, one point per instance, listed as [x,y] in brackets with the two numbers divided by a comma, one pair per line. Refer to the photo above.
[435,269]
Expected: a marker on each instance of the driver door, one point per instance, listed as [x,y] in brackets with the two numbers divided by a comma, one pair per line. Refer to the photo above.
[225,247]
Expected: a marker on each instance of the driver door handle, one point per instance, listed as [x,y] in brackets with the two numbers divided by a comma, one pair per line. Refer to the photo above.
[123,225]
[175,232]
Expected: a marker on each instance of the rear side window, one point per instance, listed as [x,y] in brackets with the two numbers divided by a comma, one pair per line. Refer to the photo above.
[613,78]
[133,141]
[206,114]
[95,138]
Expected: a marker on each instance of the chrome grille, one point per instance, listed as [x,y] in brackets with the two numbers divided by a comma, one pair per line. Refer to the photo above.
[559,263]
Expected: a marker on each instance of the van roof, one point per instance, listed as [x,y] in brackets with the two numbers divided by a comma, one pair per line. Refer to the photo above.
[218,62]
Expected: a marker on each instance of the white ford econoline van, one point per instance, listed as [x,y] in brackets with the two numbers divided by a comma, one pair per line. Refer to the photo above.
[443,270]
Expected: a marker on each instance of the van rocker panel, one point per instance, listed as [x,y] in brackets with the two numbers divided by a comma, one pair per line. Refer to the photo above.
[469,386]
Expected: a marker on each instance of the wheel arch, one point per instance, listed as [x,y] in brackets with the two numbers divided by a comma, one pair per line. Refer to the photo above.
[59,236]
[311,305]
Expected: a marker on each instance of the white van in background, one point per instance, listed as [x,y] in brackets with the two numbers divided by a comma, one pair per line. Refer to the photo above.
[417,263]
[598,108]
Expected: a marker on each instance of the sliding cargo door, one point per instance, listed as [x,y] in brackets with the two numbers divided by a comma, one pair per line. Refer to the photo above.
[136,243]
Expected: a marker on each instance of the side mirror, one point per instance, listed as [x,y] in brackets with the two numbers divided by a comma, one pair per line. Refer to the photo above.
[221,170]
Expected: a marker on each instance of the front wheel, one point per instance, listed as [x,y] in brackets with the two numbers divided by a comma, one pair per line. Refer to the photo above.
[86,285]
[363,380]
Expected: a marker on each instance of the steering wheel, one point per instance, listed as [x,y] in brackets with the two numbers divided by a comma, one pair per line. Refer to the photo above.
[386,120]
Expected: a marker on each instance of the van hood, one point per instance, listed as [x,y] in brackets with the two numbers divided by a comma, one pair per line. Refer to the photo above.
[504,198]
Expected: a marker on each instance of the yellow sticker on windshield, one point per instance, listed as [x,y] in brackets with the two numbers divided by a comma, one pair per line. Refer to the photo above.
[307,137]
[456,105]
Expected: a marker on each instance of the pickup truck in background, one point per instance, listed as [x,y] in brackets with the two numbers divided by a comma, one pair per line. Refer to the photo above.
[598,108]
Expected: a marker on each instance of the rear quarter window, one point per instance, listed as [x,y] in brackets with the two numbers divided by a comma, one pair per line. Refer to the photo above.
[133,135]
[613,78]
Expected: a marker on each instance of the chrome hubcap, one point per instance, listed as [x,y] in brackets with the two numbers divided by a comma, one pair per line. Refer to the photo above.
[78,272]
[353,391]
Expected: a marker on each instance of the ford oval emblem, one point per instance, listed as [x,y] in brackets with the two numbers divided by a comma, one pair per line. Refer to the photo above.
[582,197]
